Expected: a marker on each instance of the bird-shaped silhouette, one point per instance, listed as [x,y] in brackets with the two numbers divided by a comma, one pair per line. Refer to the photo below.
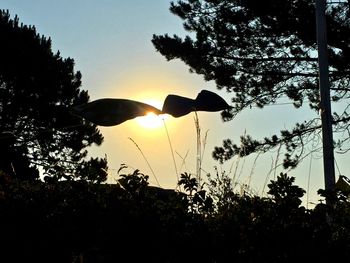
[110,112]
[178,106]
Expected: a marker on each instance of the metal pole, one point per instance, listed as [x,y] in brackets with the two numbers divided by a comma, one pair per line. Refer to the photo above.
[325,105]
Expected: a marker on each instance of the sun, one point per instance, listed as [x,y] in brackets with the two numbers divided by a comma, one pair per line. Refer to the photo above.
[151,120]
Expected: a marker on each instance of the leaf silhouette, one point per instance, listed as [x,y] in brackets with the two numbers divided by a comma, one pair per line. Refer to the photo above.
[110,112]
[178,106]
[210,101]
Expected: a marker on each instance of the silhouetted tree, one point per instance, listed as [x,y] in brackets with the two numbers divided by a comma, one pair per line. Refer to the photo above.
[37,87]
[264,52]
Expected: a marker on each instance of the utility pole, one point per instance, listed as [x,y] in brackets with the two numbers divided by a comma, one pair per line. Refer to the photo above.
[325,105]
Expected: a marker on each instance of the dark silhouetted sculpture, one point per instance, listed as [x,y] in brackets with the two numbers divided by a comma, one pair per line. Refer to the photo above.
[178,106]
[110,112]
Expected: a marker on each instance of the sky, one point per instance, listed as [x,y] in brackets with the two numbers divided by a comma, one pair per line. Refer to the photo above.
[110,42]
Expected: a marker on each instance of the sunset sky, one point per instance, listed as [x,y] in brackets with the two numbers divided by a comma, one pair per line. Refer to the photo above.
[110,42]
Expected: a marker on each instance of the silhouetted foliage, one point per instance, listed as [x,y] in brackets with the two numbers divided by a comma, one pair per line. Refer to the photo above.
[284,193]
[198,200]
[265,52]
[36,88]
[130,221]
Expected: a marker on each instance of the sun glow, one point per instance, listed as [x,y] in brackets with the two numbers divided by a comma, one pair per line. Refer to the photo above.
[152,120]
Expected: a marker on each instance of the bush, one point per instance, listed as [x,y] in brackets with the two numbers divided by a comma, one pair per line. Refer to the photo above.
[76,221]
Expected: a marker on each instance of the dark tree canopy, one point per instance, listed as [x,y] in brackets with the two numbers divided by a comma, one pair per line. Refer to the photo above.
[36,88]
[263,52]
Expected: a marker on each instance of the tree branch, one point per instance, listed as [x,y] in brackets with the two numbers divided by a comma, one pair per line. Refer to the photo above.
[267,58]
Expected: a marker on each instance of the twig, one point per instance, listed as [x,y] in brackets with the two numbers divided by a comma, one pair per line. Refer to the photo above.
[144,157]
[171,150]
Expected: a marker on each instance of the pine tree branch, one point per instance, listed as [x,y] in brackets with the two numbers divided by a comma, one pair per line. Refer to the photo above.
[267,58]
[277,73]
